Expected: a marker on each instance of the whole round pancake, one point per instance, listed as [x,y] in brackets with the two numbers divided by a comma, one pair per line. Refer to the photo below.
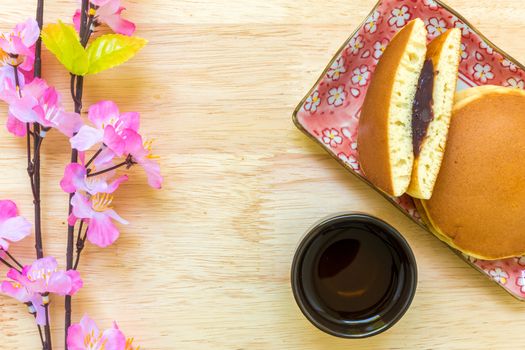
[478,203]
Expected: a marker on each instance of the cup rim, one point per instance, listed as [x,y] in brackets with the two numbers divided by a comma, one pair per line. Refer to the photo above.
[312,233]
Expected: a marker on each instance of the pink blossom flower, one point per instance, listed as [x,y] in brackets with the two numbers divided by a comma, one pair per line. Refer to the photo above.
[96,211]
[38,102]
[108,12]
[15,287]
[141,153]
[75,179]
[40,278]
[109,127]
[87,336]
[19,44]
[12,226]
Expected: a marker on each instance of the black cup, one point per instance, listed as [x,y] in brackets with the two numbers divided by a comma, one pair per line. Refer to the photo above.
[351,229]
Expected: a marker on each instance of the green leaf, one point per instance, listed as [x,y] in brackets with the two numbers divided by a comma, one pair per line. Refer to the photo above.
[63,41]
[112,50]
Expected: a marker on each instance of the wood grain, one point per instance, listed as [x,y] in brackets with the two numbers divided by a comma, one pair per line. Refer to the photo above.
[205,263]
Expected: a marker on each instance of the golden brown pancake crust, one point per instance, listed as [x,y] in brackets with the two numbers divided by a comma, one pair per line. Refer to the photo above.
[479,197]
[373,123]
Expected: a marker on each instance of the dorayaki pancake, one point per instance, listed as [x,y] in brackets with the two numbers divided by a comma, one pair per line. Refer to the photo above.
[384,138]
[478,202]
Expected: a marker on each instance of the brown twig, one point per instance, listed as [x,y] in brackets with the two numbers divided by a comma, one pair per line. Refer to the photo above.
[77,85]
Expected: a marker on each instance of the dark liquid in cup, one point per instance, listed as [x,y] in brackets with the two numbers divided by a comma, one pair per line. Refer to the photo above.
[355,274]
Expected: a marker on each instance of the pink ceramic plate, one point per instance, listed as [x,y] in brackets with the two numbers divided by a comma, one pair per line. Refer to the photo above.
[329,113]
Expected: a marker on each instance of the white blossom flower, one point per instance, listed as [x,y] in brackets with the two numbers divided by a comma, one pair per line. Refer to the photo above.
[516,83]
[379,48]
[312,102]
[336,69]
[336,96]
[436,26]
[487,48]
[356,44]
[331,137]
[400,16]
[361,75]
[499,275]
[483,73]
[371,22]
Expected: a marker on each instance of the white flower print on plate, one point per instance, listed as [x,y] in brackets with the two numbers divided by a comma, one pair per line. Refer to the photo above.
[336,96]
[336,69]
[379,48]
[436,26]
[499,275]
[484,45]
[520,260]
[432,4]
[350,160]
[371,22]
[356,44]
[483,72]
[361,75]
[464,52]
[352,137]
[332,138]
[312,102]
[509,65]
[516,83]
[520,281]
[400,16]
[465,30]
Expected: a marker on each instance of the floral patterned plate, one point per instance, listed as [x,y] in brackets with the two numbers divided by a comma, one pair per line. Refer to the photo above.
[329,113]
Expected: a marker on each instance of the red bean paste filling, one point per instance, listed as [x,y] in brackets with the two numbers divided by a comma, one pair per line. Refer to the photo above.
[422,113]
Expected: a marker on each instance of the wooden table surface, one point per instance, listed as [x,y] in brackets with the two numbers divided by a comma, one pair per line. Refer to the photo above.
[205,262]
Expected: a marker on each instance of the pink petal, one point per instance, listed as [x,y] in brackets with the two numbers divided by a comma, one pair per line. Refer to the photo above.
[19,47]
[76,281]
[115,184]
[152,169]
[75,337]
[23,109]
[45,264]
[74,178]
[102,231]
[36,88]
[112,214]
[134,145]
[89,326]
[114,141]
[82,206]
[105,157]
[102,112]
[5,45]
[8,209]
[15,229]
[115,339]
[17,292]
[29,30]
[76,20]
[99,2]
[86,138]
[37,302]
[59,283]
[119,25]
[15,126]
[130,120]
[68,123]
